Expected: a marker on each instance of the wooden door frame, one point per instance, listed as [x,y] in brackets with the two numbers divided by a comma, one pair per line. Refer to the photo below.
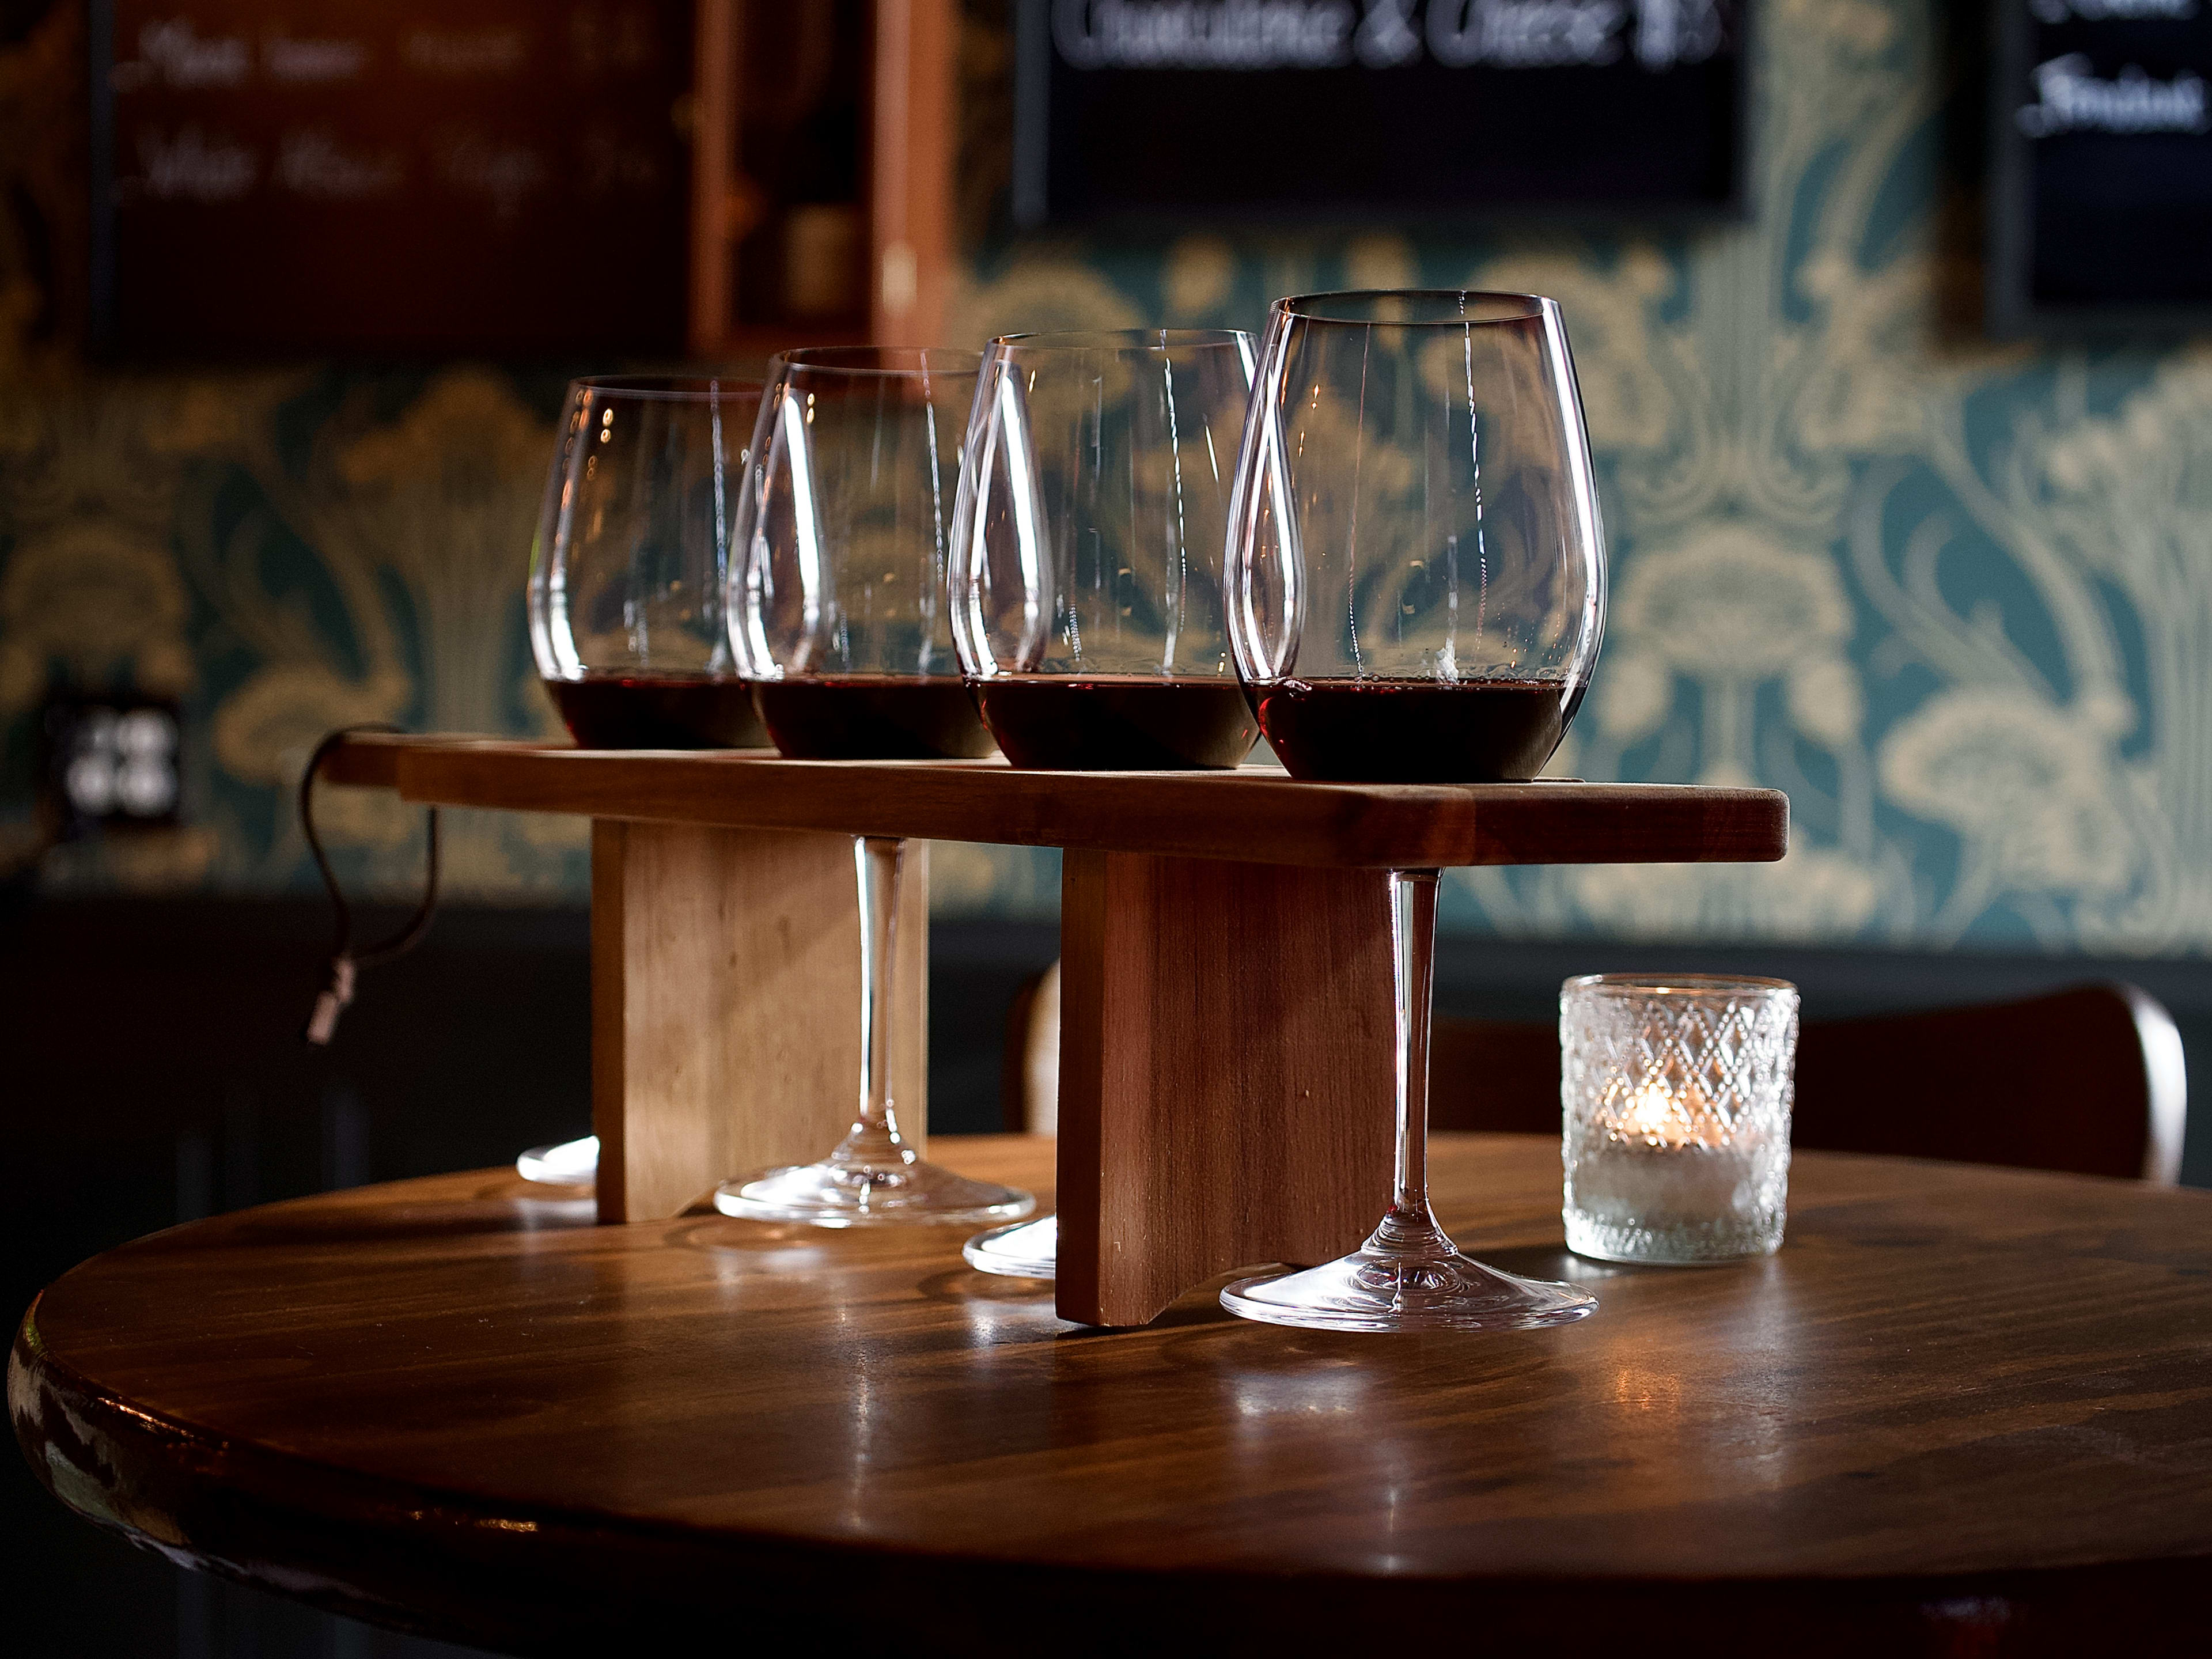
[912,128]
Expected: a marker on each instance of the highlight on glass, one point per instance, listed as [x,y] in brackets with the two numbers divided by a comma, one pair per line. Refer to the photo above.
[836,614]
[1416,581]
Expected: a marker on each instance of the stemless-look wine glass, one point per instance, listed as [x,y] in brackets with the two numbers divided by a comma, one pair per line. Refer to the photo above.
[627,577]
[1416,577]
[836,614]
[1086,578]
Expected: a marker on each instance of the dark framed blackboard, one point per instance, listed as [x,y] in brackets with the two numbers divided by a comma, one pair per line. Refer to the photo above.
[1260,110]
[2100,198]
[389,177]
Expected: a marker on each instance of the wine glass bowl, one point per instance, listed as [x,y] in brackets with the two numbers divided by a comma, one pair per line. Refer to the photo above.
[1085,583]
[1417,565]
[631,561]
[837,596]
[1415,571]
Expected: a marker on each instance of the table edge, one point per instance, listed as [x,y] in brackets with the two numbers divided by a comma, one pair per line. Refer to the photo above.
[403,1539]
[95,1412]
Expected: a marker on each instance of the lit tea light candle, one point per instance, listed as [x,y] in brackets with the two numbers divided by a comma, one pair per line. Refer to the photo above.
[1668,1165]
[1653,1117]
[1677,1110]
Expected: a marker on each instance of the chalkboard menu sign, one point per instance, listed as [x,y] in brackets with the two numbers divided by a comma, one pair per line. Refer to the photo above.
[389,176]
[2102,207]
[1202,111]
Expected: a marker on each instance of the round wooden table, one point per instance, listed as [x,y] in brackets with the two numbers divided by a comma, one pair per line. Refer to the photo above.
[1966,1410]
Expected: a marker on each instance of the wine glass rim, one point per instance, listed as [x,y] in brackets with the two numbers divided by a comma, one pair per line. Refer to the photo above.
[670,388]
[1344,307]
[1668,984]
[885,362]
[1124,339]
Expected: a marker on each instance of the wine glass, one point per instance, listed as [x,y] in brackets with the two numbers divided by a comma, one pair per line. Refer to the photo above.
[626,576]
[628,572]
[1416,580]
[1085,584]
[836,614]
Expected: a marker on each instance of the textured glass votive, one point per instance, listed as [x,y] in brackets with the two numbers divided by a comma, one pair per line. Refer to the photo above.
[1677,1094]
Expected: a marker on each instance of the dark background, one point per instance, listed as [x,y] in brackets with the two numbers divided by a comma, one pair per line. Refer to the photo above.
[155,1072]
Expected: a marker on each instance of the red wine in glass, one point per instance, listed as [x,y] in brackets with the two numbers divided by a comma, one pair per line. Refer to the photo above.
[1117,722]
[1414,730]
[659,711]
[872,717]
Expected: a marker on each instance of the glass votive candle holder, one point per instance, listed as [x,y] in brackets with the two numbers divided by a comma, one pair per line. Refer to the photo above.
[1676,1093]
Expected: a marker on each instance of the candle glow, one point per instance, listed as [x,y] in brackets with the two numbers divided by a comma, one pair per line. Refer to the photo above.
[1655,1117]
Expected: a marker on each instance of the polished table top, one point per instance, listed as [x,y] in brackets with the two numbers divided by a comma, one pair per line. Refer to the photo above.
[1963,1402]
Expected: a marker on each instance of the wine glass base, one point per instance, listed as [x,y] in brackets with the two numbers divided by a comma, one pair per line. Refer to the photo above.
[1023,1250]
[1376,1290]
[564,1163]
[851,1193]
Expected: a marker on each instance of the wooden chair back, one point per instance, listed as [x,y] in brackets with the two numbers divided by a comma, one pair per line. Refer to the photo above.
[2087,1080]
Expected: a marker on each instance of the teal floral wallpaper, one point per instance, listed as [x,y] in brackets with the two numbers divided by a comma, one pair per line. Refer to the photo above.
[1954,596]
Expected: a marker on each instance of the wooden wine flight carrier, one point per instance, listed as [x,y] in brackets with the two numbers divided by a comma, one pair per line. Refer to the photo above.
[1225,1038]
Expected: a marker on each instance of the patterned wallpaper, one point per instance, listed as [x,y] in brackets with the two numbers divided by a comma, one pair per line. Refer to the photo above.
[1954,597]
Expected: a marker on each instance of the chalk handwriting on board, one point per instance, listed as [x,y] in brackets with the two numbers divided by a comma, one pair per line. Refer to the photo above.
[1387,34]
[1530,33]
[2099,11]
[192,166]
[277,179]
[174,53]
[480,52]
[1148,111]
[2101,193]
[315,163]
[2071,97]
[1567,33]
[1671,32]
[1234,34]
[296,62]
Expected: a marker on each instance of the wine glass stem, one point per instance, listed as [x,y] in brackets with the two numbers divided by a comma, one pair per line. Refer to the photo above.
[879,861]
[1412,967]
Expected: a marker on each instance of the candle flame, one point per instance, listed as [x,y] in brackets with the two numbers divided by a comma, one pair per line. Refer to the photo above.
[1655,1116]
[1651,1111]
